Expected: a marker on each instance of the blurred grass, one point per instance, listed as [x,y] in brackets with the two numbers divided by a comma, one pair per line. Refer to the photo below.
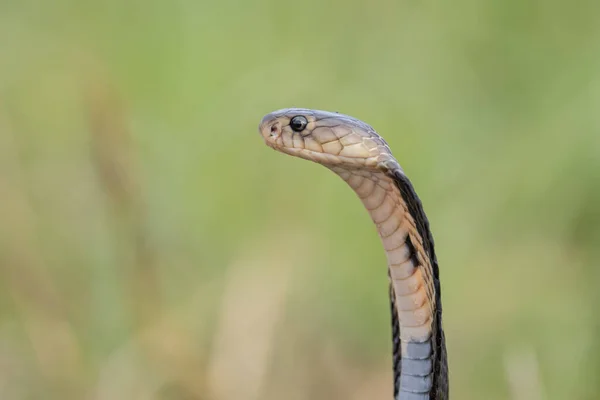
[145,225]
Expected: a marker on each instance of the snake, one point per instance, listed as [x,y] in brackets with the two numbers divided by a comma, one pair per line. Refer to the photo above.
[354,151]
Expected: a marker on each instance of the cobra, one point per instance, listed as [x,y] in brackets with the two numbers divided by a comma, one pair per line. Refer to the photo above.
[361,157]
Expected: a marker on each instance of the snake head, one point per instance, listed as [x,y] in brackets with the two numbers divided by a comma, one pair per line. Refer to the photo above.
[327,138]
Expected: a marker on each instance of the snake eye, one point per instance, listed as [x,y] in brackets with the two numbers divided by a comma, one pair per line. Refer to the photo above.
[298,123]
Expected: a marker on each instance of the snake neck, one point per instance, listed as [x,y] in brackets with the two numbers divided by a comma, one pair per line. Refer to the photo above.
[420,370]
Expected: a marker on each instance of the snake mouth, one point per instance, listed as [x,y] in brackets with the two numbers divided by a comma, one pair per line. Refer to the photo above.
[327,159]
[270,130]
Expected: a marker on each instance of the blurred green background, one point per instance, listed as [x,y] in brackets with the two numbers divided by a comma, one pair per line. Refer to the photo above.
[152,247]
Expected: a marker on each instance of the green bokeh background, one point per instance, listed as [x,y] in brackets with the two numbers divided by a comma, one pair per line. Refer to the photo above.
[152,247]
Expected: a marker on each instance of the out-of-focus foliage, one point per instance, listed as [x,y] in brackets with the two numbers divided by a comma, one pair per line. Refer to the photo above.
[151,246]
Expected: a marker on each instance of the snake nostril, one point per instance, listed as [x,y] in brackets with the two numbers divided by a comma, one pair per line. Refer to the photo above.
[274,129]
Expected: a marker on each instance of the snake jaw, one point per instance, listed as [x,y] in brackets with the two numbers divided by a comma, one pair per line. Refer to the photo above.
[270,130]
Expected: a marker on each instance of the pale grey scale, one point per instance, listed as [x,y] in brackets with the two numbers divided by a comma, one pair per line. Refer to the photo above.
[412,396]
[417,367]
[416,350]
[415,384]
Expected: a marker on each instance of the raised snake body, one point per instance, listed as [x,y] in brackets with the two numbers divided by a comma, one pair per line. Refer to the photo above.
[362,158]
